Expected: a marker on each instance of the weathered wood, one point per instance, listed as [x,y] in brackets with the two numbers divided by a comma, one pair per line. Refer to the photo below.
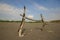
[22,22]
[20,30]
[43,23]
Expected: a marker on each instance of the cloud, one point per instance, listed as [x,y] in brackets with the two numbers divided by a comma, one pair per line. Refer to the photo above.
[49,13]
[9,8]
[30,16]
[10,12]
[53,14]
[39,7]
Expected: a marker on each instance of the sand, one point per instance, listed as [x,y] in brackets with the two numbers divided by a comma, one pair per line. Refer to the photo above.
[9,31]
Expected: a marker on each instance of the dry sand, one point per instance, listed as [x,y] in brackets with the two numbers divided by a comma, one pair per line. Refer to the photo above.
[9,31]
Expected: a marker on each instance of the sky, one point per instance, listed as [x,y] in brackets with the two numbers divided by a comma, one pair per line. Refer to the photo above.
[11,9]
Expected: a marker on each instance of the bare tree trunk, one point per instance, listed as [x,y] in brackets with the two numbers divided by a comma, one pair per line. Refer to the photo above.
[43,23]
[20,30]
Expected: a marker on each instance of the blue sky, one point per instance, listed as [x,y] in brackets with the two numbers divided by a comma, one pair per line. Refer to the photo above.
[10,9]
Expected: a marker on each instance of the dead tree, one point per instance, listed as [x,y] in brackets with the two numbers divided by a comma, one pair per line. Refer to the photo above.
[20,30]
[42,21]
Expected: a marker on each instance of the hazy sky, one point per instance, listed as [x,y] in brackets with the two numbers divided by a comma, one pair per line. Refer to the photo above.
[10,9]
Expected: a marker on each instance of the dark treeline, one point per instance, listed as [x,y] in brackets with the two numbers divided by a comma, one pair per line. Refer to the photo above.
[39,21]
[55,21]
[8,21]
[20,21]
[35,22]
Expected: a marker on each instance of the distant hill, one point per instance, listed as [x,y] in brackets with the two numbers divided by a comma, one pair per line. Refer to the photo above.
[8,21]
[38,21]
[55,21]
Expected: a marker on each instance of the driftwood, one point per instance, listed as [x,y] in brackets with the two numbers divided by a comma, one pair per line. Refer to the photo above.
[43,23]
[20,30]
